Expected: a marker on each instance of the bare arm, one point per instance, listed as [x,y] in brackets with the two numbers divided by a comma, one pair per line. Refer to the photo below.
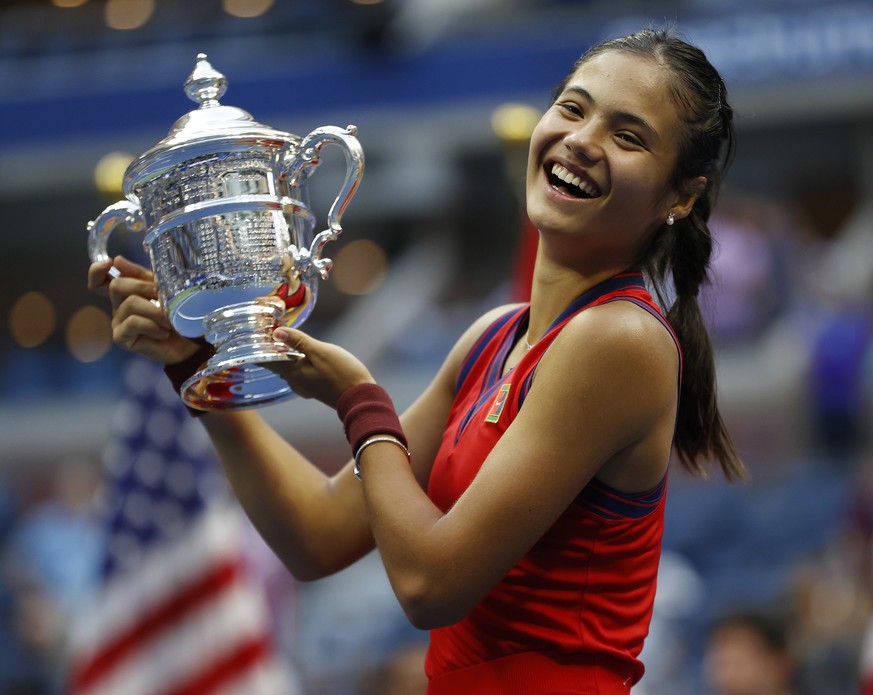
[318,524]
[315,523]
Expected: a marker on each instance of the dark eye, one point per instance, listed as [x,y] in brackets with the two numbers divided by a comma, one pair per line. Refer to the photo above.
[630,138]
[571,108]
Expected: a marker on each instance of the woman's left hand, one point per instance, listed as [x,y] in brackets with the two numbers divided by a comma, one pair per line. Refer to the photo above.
[324,372]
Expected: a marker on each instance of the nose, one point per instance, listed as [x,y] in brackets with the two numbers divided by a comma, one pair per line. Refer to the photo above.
[585,140]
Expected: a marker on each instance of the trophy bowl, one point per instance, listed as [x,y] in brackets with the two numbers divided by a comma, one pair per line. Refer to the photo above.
[223,205]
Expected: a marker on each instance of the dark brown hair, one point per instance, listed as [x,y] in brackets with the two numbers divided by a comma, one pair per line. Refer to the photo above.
[679,254]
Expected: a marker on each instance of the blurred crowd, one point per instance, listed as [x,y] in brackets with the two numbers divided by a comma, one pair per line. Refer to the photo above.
[765,586]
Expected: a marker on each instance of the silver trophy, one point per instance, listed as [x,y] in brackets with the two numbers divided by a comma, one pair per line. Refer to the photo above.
[223,204]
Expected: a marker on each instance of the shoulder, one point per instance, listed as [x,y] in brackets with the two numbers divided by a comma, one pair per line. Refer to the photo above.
[620,329]
[616,353]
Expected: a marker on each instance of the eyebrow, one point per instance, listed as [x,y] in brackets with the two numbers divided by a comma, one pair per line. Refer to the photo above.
[623,116]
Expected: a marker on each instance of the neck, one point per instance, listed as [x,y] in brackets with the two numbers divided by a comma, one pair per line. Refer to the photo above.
[555,285]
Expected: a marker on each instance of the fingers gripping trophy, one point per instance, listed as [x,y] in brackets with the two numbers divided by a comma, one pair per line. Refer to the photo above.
[223,204]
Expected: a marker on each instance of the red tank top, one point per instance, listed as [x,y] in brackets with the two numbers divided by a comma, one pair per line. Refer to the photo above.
[571,616]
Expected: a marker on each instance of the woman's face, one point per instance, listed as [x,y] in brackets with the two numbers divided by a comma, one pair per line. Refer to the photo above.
[602,157]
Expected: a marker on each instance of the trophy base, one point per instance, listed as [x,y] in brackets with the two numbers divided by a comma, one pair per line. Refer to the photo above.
[234,385]
[236,376]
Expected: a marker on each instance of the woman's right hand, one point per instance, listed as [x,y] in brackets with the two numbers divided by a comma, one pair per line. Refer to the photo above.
[139,324]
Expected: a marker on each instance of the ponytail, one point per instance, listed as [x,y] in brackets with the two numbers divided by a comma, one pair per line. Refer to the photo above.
[707,149]
[701,436]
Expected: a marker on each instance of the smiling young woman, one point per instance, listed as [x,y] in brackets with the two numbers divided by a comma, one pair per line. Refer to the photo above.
[518,503]
[611,130]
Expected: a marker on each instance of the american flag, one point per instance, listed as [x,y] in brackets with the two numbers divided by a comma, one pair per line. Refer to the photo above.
[177,612]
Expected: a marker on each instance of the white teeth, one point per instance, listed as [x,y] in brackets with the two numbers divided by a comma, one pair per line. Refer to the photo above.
[568,176]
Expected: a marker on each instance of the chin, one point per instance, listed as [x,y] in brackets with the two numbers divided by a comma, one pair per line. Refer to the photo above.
[543,218]
[551,223]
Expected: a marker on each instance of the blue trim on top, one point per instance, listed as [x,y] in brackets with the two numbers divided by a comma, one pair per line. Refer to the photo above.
[618,282]
[608,503]
[494,374]
[523,388]
[481,343]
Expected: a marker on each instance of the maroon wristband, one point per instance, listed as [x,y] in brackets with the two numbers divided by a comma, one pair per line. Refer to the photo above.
[365,410]
[180,372]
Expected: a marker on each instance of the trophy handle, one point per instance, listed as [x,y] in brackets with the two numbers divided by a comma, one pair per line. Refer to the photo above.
[307,259]
[122,212]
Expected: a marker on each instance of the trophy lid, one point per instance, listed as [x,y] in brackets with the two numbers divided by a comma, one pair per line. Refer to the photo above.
[210,128]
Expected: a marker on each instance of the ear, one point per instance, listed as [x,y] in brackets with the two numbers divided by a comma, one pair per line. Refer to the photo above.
[685,199]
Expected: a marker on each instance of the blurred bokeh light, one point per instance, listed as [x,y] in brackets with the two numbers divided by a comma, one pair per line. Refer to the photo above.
[247,8]
[89,334]
[359,267]
[514,122]
[32,319]
[126,15]
[109,173]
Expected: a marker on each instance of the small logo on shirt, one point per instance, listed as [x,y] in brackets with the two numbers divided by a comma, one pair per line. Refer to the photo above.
[499,401]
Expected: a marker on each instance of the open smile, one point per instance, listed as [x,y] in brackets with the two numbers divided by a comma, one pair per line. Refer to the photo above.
[567,183]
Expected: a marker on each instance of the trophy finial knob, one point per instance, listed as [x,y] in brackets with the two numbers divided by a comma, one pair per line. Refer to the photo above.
[205,85]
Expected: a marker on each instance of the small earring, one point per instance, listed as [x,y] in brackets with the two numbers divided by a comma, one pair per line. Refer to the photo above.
[671,218]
